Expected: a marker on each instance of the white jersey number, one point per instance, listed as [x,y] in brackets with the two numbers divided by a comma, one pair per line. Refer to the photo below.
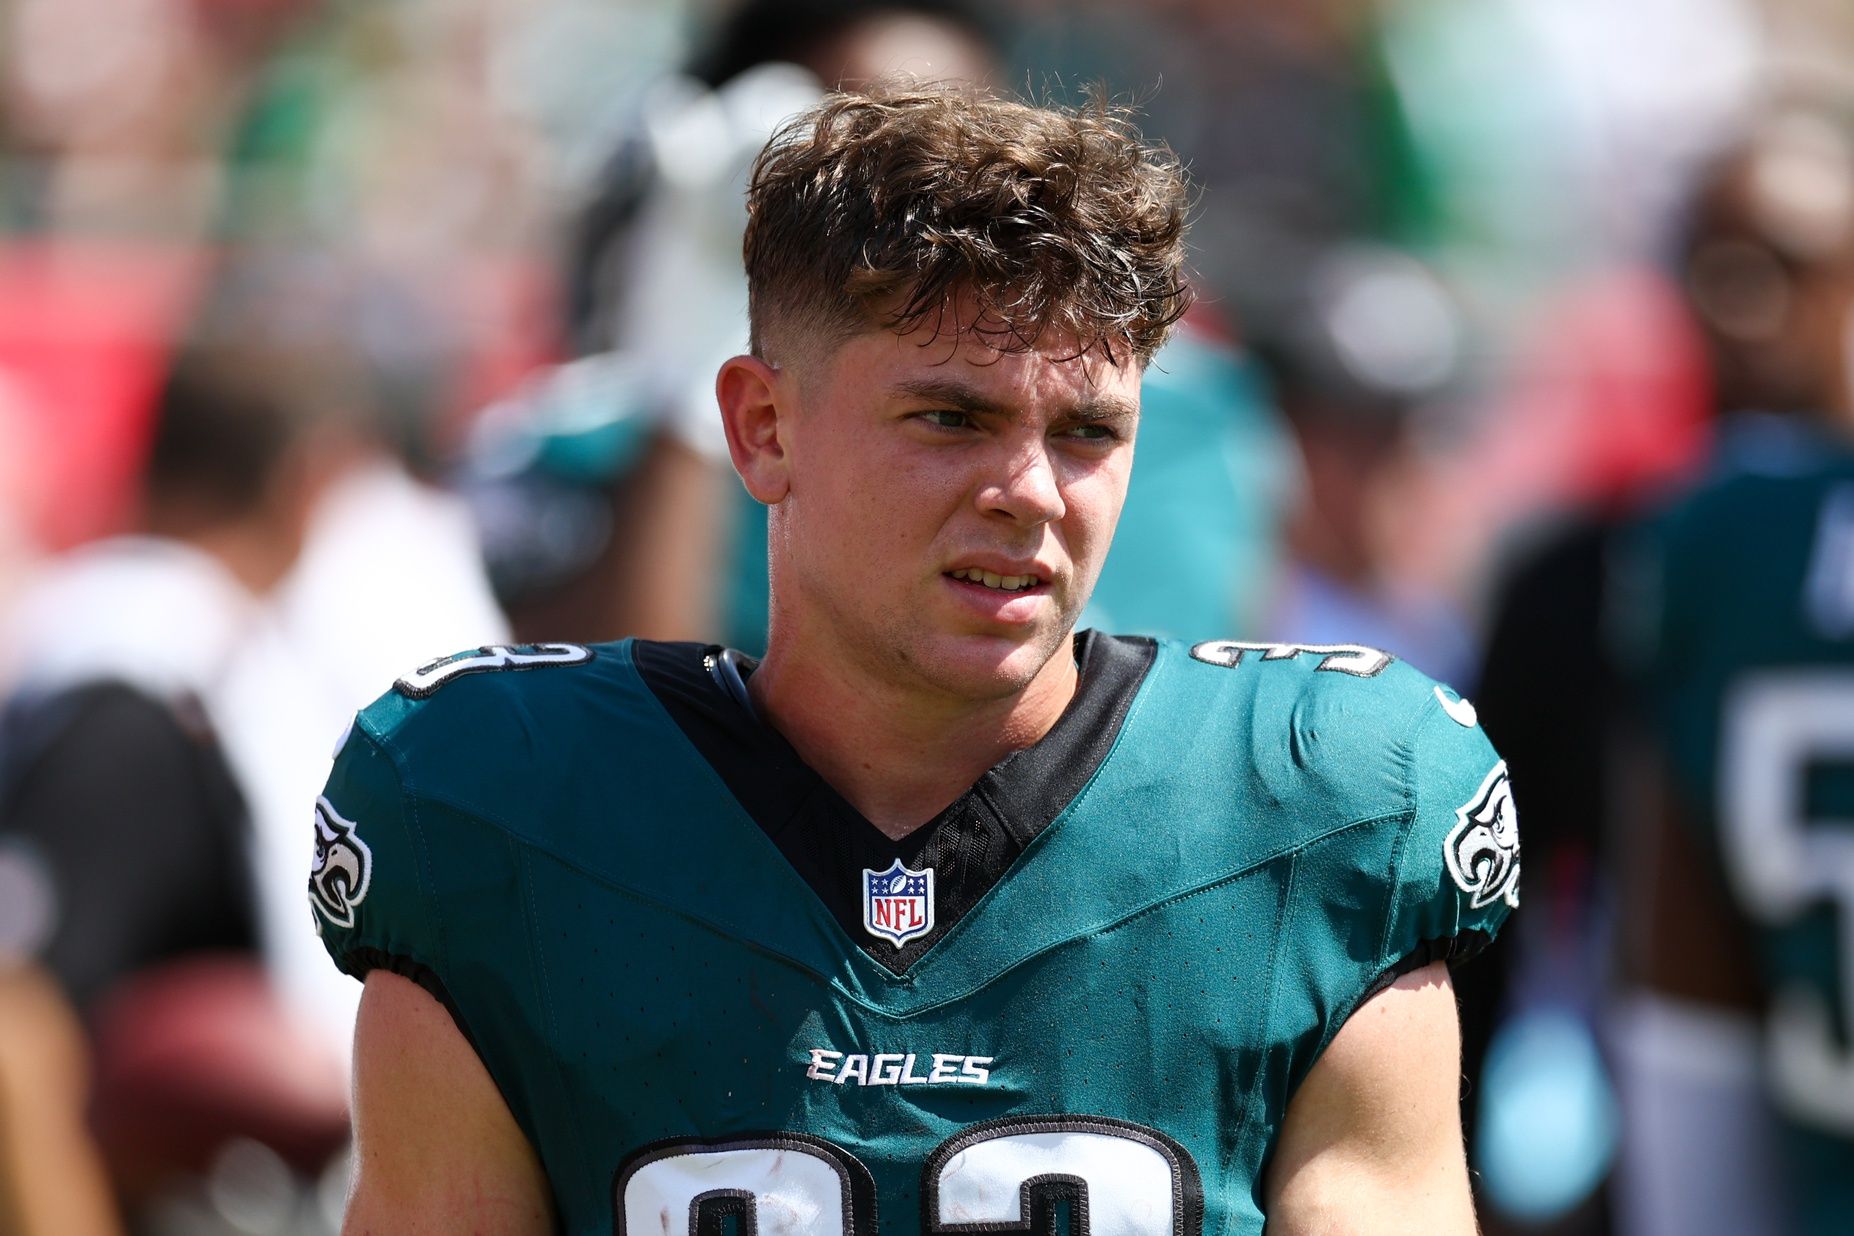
[1778,728]
[772,1186]
[1013,1175]
[1354,659]
[428,677]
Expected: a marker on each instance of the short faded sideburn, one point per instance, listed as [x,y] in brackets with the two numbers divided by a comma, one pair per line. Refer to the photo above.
[880,209]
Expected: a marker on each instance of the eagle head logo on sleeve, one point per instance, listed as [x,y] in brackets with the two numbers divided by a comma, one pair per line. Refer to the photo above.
[1482,849]
[341,869]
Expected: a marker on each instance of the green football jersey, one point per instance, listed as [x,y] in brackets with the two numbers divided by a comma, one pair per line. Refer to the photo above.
[1750,677]
[1079,999]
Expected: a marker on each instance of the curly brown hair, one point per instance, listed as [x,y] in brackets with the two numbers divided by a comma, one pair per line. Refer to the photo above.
[883,207]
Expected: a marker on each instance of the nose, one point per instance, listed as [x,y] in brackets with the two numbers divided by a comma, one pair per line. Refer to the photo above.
[1026,489]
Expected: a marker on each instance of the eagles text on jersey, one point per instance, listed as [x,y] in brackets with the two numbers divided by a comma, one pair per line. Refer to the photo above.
[708,988]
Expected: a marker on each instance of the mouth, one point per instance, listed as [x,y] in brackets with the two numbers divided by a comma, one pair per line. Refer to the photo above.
[996,582]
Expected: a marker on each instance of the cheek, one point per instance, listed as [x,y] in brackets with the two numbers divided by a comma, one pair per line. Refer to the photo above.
[863,517]
[895,496]
[1094,498]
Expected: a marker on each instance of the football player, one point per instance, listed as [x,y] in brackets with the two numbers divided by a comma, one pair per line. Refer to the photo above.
[1736,1056]
[942,917]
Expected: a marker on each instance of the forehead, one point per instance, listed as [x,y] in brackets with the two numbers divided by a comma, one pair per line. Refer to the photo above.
[1048,377]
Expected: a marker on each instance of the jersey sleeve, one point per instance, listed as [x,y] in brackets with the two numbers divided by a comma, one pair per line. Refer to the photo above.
[1457,870]
[369,886]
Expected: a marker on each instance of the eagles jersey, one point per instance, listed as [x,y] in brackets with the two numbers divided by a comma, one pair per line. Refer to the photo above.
[1082,995]
[1751,684]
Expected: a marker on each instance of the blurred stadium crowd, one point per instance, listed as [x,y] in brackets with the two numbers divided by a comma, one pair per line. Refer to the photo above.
[336,335]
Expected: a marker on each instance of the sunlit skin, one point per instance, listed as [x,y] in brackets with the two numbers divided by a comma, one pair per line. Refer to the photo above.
[891,463]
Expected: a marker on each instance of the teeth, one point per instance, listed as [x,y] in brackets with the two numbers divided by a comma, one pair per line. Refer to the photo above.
[1005,583]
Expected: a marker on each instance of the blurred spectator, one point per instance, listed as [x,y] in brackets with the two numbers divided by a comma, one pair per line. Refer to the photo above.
[1613,407]
[120,815]
[1735,618]
[52,1182]
[416,161]
[1370,340]
[642,533]
[389,575]
[609,504]
[608,501]
[121,645]
[1202,518]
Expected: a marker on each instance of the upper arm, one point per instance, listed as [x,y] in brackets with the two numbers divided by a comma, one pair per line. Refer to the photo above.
[436,1148]
[1372,1139]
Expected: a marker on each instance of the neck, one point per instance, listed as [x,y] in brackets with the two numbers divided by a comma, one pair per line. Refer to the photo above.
[898,753]
[257,548]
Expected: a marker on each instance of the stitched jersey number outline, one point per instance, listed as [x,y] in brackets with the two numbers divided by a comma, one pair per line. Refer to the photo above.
[427,678]
[1354,659]
[1011,1175]
[1777,727]
[784,1182]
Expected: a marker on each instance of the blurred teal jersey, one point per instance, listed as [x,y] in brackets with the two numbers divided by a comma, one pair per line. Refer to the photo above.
[1079,999]
[1750,678]
[1196,539]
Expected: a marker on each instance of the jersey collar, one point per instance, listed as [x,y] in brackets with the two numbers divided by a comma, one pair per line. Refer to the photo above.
[830,845]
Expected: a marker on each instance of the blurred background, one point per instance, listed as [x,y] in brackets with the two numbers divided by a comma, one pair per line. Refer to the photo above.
[339,335]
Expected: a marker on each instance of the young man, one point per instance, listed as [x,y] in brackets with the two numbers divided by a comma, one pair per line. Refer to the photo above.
[942,917]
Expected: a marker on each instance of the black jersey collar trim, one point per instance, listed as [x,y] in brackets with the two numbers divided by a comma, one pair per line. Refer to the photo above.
[969,845]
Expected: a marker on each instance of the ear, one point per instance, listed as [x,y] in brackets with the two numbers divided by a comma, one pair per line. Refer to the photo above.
[755,403]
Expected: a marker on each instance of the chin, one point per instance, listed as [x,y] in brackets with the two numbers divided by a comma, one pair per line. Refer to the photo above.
[983,667]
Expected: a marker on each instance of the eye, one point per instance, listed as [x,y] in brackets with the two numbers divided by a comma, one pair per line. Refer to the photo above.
[1089,431]
[946,418]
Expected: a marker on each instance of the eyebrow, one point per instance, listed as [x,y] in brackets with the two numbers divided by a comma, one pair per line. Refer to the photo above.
[963,398]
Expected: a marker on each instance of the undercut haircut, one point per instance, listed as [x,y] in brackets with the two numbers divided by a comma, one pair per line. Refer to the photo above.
[883,208]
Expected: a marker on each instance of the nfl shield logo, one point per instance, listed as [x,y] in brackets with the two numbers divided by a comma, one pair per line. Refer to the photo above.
[897,903]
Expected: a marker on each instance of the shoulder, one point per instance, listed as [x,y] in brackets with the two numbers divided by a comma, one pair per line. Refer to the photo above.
[524,740]
[1717,566]
[456,693]
[1288,676]
[1346,730]
[1758,460]
[164,756]
[466,723]
[1379,775]
[462,757]
[107,713]
[535,739]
